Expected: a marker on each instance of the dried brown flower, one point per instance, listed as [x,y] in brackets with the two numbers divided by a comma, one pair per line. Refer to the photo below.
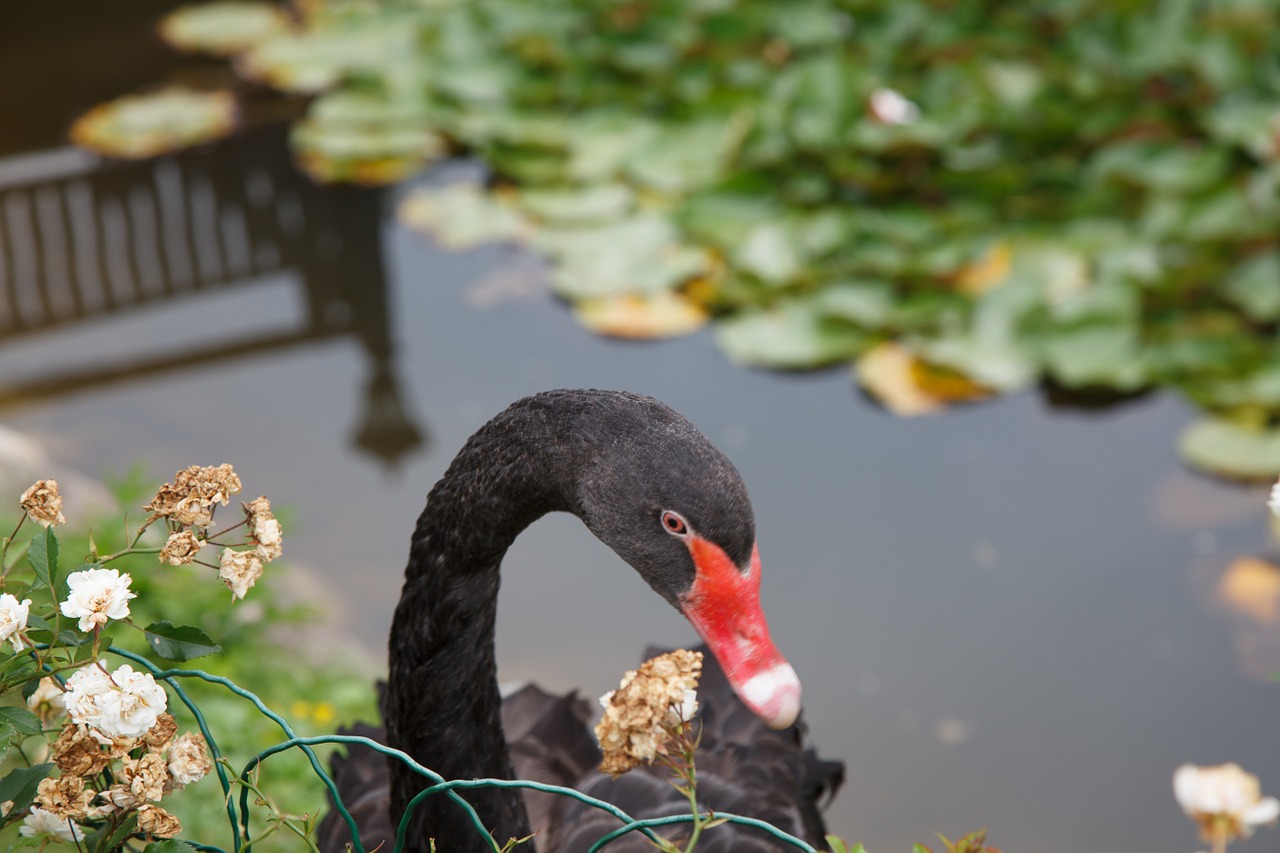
[116,798]
[65,797]
[43,503]
[194,491]
[157,822]
[159,737]
[181,548]
[147,776]
[639,713]
[77,753]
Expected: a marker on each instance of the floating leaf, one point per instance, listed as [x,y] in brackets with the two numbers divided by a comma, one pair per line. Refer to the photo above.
[641,316]
[577,205]
[224,27]
[461,216]
[1231,449]
[1254,285]
[640,254]
[139,126]
[365,139]
[179,642]
[791,336]
[908,385]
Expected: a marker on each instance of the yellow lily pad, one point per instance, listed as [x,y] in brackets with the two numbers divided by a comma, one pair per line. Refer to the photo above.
[909,386]
[641,316]
[223,28]
[141,126]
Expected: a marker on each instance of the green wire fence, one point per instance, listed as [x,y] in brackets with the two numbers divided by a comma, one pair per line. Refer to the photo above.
[238,817]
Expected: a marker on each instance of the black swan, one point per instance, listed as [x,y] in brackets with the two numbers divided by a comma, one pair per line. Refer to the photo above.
[653,488]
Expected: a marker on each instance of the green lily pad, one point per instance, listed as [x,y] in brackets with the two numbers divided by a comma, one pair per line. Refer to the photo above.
[1229,449]
[223,28]
[462,216]
[141,126]
[793,335]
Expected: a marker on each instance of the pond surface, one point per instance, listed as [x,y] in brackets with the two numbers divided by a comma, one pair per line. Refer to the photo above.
[1010,616]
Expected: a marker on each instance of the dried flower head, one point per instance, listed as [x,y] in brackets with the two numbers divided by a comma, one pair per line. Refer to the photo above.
[159,737]
[43,503]
[147,776]
[264,528]
[78,753]
[65,797]
[116,798]
[194,491]
[1225,801]
[157,822]
[48,701]
[650,701]
[239,570]
[96,596]
[181,548]
[42,823]
[13,620]
[189,759]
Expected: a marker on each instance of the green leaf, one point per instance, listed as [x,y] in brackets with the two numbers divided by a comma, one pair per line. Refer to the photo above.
[43,556]
[790,336]
[179,642]
[71,638]
[1230,449]
[18,721]
[21,784]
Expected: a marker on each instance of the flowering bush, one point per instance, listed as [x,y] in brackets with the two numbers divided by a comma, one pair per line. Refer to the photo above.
[91,752]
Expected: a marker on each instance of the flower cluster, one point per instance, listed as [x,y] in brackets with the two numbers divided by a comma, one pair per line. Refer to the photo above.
[189,500]
[119,753]
[187,505]
[1224,801]
[13,620]
[647,707]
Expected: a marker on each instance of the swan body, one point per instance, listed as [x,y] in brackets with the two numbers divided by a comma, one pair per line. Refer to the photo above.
[654,489]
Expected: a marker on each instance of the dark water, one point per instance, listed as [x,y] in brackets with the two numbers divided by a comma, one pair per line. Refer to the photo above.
[1009,616]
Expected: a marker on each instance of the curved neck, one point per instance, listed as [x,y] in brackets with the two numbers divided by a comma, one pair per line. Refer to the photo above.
[442,704]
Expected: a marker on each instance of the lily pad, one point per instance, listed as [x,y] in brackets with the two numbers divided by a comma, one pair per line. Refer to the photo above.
[140,126]
[793,335]
[462,216]
[1230,449]
[641,316]
[223,28]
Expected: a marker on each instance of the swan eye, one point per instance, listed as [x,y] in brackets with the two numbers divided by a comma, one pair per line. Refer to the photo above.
[674,523]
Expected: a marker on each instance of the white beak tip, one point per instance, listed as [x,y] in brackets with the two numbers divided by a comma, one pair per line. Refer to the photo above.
[774,695]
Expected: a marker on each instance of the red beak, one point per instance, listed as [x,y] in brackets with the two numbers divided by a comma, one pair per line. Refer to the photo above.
[724,606]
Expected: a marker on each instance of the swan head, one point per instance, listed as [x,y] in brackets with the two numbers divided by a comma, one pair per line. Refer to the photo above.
[657,492]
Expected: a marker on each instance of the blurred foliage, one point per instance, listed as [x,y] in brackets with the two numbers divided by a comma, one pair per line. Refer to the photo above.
[263,650]
[1083,193]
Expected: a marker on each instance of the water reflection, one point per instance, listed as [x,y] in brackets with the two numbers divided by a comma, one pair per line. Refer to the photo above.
[84,242]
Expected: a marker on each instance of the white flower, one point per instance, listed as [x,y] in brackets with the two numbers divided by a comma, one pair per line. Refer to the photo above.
[96,596]
[1223,800]
[124,704]
[48,701]
[1273,502]
[41,822]
[684,710]
[890,107]
[239,570]
[13,620]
